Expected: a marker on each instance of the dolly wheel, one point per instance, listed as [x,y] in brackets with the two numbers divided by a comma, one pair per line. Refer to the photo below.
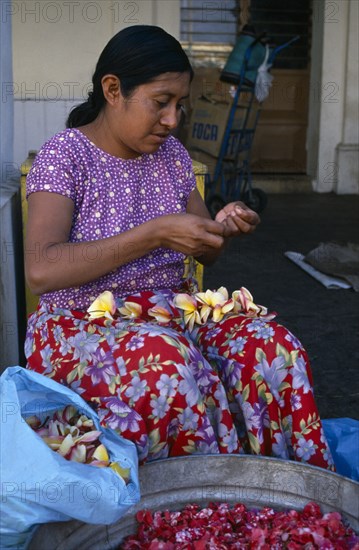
[215,204]
[256,199]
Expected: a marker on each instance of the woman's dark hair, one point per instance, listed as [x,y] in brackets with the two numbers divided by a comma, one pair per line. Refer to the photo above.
[136,55]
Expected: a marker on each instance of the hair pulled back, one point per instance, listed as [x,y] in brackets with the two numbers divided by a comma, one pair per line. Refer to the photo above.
[136,55]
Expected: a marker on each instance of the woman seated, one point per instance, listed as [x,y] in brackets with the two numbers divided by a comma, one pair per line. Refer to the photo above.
[113,212]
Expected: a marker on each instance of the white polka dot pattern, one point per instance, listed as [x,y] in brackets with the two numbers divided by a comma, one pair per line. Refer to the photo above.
[110,196]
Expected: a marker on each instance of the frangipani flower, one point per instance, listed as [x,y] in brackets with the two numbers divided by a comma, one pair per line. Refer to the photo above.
[53,442]
[74,439]
[243,301]
[123,472]
[197,308]
[66,445]
[101,453]
[220,310]
[103,306]
[55,428]
[65,415]
[88,437]
[222,290]
[130,310]
[189,305]
[84,422]
[161,314]
[78,453]
[216,301]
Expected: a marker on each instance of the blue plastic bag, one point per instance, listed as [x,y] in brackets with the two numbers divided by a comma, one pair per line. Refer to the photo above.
[343,439]
[37,484]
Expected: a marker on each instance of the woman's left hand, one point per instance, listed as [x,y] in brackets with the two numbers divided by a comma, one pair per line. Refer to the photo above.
[237,218]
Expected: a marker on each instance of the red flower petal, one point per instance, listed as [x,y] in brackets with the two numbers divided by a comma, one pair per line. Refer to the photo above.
[223,528]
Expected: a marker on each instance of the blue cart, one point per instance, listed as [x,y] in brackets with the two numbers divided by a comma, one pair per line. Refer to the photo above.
[232,179]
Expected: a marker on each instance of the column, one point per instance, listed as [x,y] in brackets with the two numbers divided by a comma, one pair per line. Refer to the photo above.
[348,149]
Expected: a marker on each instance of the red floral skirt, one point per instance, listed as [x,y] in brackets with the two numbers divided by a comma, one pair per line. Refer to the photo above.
[240,385]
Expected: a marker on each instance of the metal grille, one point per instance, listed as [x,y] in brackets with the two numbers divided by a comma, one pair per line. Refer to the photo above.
[281,20]
[209,21]
[209,29]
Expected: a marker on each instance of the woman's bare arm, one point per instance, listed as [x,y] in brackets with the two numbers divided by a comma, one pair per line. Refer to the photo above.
[52,263]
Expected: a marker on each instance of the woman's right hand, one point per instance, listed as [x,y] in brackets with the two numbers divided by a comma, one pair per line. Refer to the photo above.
[190,234]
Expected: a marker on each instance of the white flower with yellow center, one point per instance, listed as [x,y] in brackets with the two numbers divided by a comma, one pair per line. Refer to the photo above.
[103,306]
[161,314]
[130,310]
[216,302]
[189,305]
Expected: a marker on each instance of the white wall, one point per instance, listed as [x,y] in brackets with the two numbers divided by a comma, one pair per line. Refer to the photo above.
[348,149]
[316,56]
[6,107]
[332,134]
[9,206]
[55,49]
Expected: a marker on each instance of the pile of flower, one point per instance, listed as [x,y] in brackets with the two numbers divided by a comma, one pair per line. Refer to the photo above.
[219,527]
[72,435]
[197,308]
[214,305]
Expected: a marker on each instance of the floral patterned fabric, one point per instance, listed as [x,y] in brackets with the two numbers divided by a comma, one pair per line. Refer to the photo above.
[241,385]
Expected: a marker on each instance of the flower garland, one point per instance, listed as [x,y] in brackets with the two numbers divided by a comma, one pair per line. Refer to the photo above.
[197,308]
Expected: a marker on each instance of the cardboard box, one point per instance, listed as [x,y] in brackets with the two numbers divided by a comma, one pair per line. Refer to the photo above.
[208,123]
[207,126]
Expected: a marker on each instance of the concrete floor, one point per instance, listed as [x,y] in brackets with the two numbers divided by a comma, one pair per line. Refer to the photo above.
[326,321]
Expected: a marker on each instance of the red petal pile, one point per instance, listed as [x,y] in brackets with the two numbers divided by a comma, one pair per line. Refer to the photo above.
[219,527]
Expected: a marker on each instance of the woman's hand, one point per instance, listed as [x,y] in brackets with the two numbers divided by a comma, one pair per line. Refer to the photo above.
[237,219]
[191,234]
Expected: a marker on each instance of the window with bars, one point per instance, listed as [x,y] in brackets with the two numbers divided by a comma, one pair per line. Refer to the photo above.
[209,29]
[282,20]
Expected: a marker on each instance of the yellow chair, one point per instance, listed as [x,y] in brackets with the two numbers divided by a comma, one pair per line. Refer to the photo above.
[191,266]
[31,299]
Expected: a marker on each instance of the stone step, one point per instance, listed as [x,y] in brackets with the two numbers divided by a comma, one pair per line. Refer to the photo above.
[283,183]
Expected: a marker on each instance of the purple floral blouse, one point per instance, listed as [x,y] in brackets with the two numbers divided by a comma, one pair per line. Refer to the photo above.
[112,195]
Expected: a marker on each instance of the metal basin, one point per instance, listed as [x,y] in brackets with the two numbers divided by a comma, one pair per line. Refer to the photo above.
[173,482]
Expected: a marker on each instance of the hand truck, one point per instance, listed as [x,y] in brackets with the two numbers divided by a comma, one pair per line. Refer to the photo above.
[232,173]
